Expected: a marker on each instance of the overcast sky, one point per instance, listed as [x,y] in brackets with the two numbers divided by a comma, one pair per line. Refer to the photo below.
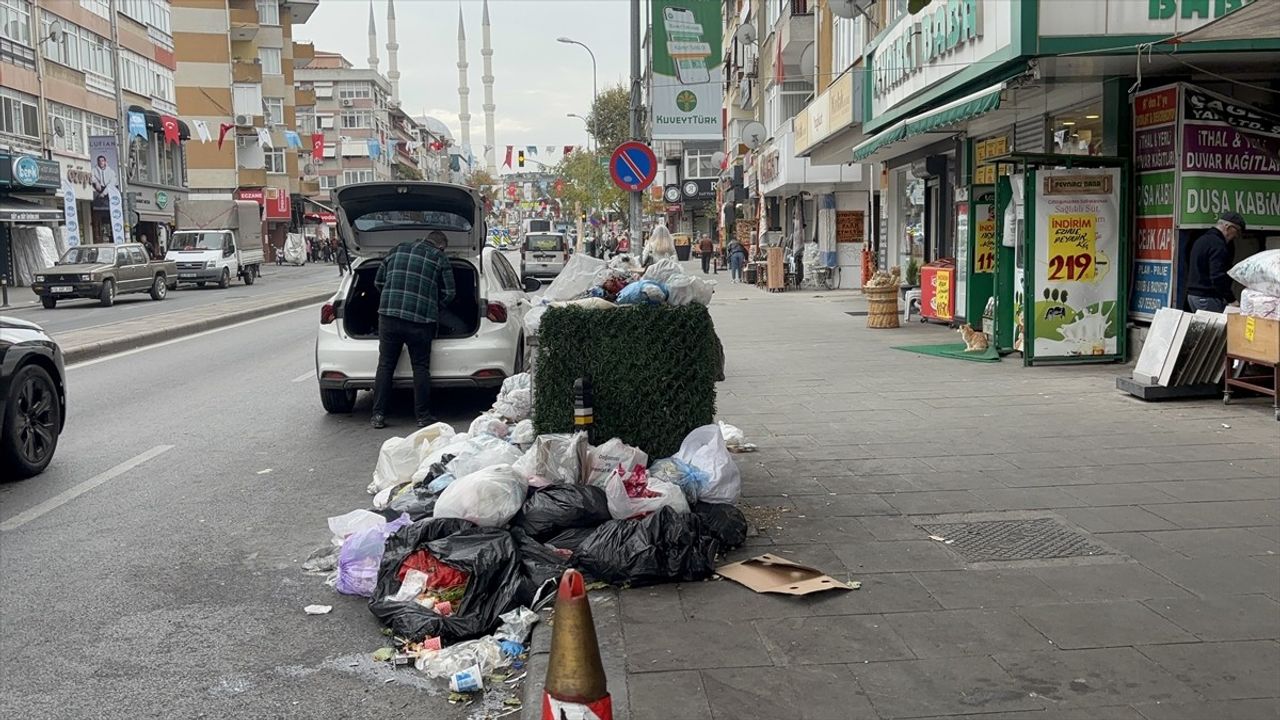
[536,79]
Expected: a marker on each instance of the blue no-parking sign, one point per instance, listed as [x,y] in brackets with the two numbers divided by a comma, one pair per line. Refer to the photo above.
[633,166]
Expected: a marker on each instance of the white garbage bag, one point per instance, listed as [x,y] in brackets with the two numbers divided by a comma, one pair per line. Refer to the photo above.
[623,506]
[579,275]
[533,319]
[480,452]
[555,458]
[400,457]
[688,289]
[705,449]
[487,424]
[663,270]
[1260,272]
[515,398]
[522,433]
[607,457]
[733,435]
[490,497]
[435,453]
[343,525]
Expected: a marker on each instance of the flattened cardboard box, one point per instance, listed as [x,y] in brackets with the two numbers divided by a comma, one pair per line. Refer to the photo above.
[773,574]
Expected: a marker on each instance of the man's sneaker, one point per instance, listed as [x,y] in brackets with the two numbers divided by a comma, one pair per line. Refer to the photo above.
[378,422]
[427,421]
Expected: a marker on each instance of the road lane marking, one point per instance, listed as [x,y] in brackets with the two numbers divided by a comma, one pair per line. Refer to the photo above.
[146,348]
[305,376]
[76,491]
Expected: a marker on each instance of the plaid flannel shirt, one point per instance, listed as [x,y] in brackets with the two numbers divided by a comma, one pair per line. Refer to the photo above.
[415,279]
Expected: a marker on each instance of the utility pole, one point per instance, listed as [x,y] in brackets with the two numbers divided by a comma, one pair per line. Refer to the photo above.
[637,245]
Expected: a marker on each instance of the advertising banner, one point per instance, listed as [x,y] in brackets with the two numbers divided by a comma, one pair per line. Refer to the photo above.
[1075,282]
[1155,143]
[687,70]
[1230,161]
[105,172]
[71,218]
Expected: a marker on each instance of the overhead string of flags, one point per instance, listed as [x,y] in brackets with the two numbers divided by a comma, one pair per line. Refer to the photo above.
[528,152]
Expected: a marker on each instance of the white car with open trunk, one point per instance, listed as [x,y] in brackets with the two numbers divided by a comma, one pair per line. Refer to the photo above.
[480,336]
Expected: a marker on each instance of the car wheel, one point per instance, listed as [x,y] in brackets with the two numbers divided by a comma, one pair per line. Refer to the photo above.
[32,421]
[247,276]
[49,303]
[337,401]
[517,367]
[159,288]
[225,280]
[108,295]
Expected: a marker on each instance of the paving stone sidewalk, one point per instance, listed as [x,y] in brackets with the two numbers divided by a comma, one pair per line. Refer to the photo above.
[1175,613]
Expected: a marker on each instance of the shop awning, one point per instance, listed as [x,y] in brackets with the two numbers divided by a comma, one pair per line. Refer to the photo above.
[156,124]
[934,120]
[1255,21]
[13,210]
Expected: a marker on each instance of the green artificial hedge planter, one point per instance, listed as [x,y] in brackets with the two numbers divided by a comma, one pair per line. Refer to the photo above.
[653,372]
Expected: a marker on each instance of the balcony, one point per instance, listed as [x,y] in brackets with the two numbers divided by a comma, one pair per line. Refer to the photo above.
[300,10]
[246,71]
[796,30]
[304,98]
[303,54]
[244,21]
[253,177]
[309,187]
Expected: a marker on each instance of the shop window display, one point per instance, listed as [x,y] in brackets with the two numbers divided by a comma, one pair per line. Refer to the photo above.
[1077,131]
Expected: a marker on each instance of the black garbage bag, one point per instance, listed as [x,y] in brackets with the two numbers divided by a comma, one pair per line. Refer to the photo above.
[538,562]
[554,509]
[725,522]
[571,539]
[488,555]
[666,546]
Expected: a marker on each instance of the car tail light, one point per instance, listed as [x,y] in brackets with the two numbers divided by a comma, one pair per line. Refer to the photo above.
[333,375]
[496,312]
[327,313]
[486,374]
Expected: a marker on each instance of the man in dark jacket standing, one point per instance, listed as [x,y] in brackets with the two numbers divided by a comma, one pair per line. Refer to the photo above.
[1208,285]
[415,280]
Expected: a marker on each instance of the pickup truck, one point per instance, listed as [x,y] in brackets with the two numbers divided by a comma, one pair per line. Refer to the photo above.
[102,272]
[217,240]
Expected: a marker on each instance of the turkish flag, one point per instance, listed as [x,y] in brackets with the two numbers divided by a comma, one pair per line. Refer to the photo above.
[507,162]
[568,149]
[317,146]
[223,129]
[170,125]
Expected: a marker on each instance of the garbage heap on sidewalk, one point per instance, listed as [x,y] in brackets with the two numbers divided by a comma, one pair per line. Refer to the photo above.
[469,532]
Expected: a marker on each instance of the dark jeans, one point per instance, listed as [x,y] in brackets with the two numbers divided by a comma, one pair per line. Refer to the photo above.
[394,333]
[1199,302]
[706,263]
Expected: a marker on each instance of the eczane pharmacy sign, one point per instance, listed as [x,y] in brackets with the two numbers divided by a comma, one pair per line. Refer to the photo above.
[930,46]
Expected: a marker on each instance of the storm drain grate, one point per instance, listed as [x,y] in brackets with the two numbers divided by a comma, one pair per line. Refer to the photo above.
[996,540]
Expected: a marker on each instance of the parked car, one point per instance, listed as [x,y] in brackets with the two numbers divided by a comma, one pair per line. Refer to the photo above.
[543,254]
[105,272]
[33,398]
[480,340]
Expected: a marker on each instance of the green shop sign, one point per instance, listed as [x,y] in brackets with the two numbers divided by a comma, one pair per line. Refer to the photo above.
[1191,9]
[929,37]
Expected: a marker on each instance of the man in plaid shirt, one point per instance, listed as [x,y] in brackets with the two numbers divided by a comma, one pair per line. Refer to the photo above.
[415,279]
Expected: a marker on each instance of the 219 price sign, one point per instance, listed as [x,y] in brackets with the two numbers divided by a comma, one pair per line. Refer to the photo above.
[1073,241]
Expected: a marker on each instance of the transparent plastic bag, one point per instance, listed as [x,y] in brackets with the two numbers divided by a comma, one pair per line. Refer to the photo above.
[343,525]
[605,458]
[733,435]
[522,433]
[687,289]
[399,457]
[688,478]
[480,452]
[486,652]
[489,424]
[623,506]
[361,555]
[554,458]
[489,498]
[663,270]
[579,275]
[705,449]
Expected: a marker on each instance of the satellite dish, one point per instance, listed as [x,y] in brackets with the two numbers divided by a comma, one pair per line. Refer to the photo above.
[55,31]
[746,34]
[848,8]
[807,56]
[754,134]
[309,169]
[717,158]
[58,128]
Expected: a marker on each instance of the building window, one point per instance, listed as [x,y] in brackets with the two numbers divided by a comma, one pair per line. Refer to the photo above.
[98,125]
[356,176]
[324,91]
[19,114]
[168,163]
[274,108]
[142,165]
[268,12]
[70,121]
[139,10]
[160,16]
[847,43]
[698,164]
[306,123]
[101,8]
[15,21]
[66,49]
[95,55]
[328,182]
[354,91]
[1077,131]
[135,76]
[275,161]
[270,58]
[357,119]
[246,99]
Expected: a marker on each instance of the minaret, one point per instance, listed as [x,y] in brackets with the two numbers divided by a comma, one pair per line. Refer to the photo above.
[464,113]
[373,41]
[393,69]
[487,51]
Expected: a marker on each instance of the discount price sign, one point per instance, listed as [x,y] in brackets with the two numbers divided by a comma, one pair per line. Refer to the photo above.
[1073,245]
[984,260]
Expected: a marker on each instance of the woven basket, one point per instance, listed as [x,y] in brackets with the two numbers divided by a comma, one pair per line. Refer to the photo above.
[882,307]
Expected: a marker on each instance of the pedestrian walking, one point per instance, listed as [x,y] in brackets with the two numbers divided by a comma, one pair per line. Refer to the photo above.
[661,245]
[1212,254]
[705,249]
[415,280]
[737,259]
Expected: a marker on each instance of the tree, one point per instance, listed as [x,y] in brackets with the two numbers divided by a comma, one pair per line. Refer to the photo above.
[586,181]
[608,121]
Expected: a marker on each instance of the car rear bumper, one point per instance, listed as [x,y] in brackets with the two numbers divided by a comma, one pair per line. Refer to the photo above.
[481,361]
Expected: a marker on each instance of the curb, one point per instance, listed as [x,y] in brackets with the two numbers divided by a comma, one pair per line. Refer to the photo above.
[607,614]
[89,351]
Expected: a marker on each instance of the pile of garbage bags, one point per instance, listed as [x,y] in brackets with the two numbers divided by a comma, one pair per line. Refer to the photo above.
[467,528]
[595,283]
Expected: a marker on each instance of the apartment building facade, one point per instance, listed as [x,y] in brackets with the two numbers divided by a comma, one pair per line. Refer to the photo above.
[85,83]
[235,72]
[352,110]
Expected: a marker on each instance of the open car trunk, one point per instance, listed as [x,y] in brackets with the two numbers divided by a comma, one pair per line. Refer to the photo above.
[461,318]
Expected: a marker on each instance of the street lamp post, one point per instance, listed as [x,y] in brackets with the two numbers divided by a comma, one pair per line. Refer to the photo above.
[586,123]
[594,88]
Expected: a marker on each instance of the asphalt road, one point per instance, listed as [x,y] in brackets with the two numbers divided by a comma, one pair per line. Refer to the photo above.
[81,314]
[155,568]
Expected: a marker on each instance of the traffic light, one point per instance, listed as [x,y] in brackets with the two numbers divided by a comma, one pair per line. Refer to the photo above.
[520,158]
[584,216]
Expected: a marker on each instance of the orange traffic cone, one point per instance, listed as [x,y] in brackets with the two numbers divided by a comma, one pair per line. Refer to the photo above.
[575,687]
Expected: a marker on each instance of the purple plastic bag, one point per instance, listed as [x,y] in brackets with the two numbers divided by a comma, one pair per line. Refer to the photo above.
[360,556]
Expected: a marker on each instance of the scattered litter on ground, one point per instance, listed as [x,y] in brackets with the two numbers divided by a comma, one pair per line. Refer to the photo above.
[939,538]
[317,609]
[772,574]
[265,471]
[1226,426]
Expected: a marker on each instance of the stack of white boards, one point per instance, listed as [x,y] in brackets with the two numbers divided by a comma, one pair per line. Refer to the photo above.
[1182,357]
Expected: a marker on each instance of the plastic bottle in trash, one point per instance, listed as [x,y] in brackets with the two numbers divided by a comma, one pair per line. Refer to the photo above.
[583,414]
